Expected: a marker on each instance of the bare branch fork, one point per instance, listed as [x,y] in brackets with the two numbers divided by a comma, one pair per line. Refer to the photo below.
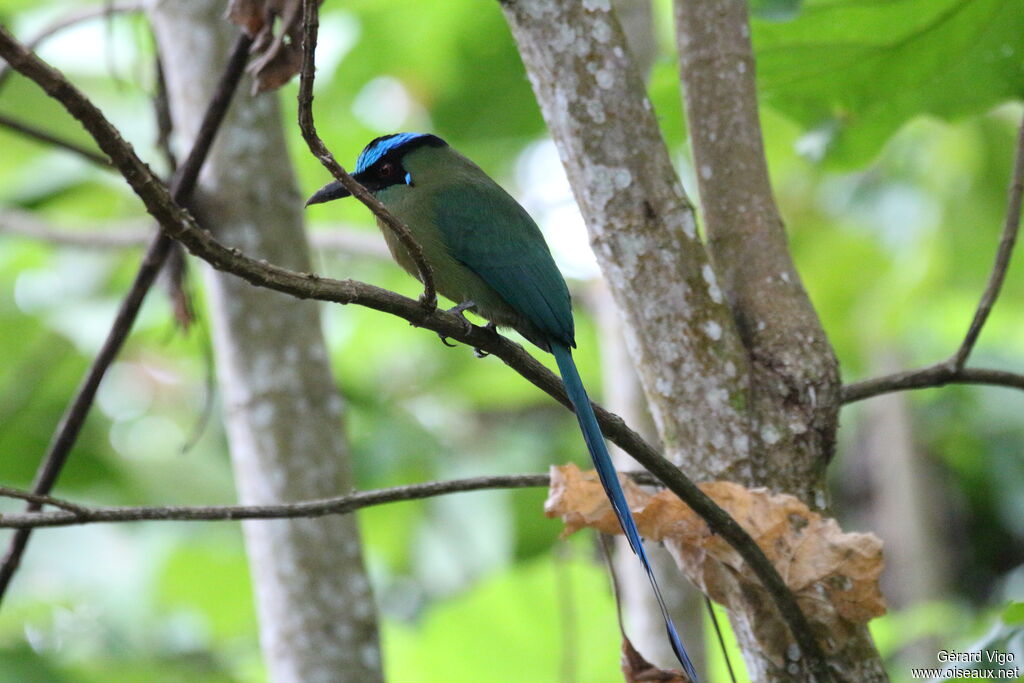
[178,224]
[114,146]
[953,369]
[310,26]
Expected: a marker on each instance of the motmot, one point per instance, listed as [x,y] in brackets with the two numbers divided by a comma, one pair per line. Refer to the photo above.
[488,256]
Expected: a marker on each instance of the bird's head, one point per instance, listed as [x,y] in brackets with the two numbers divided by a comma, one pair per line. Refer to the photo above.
[380,165]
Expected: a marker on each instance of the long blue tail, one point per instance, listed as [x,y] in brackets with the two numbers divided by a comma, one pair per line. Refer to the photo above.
[603,463]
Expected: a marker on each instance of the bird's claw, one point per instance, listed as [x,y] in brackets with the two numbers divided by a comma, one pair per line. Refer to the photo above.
[480,353]
[459,311]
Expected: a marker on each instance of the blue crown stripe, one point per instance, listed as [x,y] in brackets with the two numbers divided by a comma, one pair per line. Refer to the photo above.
[374,152]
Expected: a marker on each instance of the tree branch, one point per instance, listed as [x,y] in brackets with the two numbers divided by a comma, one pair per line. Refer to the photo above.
[54,141]
[358,243]
[794,373]
[952,371]
[310,26]
[40,500]
[932,376]
[73,513]
[84,514]
[1003,253]
[122,156]
[73,19]
[177,223]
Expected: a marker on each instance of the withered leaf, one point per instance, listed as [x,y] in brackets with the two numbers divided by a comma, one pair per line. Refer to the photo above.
[276,29]
[636,669]
[578,498]
[833,574]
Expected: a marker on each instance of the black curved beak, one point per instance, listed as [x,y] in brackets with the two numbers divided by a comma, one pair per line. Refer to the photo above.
[330,191]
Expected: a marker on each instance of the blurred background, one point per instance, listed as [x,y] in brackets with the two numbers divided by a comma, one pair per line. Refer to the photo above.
[889,131]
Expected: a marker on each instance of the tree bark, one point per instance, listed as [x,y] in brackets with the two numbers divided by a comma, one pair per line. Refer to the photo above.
[738,374]
[282,411]
[624,396]
[795,376]
[795,387]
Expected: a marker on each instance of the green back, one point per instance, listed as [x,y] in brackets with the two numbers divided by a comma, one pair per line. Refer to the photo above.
[485,229]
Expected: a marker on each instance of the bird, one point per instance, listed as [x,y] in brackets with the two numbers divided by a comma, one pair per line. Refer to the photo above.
[488,256]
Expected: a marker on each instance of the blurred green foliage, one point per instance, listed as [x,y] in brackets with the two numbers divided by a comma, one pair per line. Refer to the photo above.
[889,140]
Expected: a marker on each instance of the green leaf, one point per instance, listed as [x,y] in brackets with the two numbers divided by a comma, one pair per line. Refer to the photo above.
[1014,614]
[852,72]
[514,627]
[210,578]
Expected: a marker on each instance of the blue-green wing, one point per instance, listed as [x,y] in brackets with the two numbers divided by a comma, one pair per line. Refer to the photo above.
[488,231]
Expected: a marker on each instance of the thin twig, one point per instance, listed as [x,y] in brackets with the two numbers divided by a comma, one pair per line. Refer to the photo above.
[952,371]
[310,26]
[74,514]
[720,638]
[1003,254]
[40,500]
[162,114]
[937,375]
[54,141]
[177,223]
[74,416]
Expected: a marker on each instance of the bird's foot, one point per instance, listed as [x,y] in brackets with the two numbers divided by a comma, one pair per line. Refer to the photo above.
[480,353]
[460,311]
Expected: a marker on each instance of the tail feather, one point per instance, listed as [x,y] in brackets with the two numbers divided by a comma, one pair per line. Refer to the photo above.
[609,479]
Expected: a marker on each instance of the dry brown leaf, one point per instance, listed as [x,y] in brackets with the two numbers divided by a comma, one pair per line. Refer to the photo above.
[834,575]
[636,669]
[279,54]
[579,499]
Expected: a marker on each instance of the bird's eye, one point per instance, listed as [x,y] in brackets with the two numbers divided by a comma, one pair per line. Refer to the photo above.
[387,170]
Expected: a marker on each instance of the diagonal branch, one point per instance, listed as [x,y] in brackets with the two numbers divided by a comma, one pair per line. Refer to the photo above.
[953,370]
[310,26]
[73,19]
[40,500]
[116,148]
[1003,254]
[178,224]
[43,136]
